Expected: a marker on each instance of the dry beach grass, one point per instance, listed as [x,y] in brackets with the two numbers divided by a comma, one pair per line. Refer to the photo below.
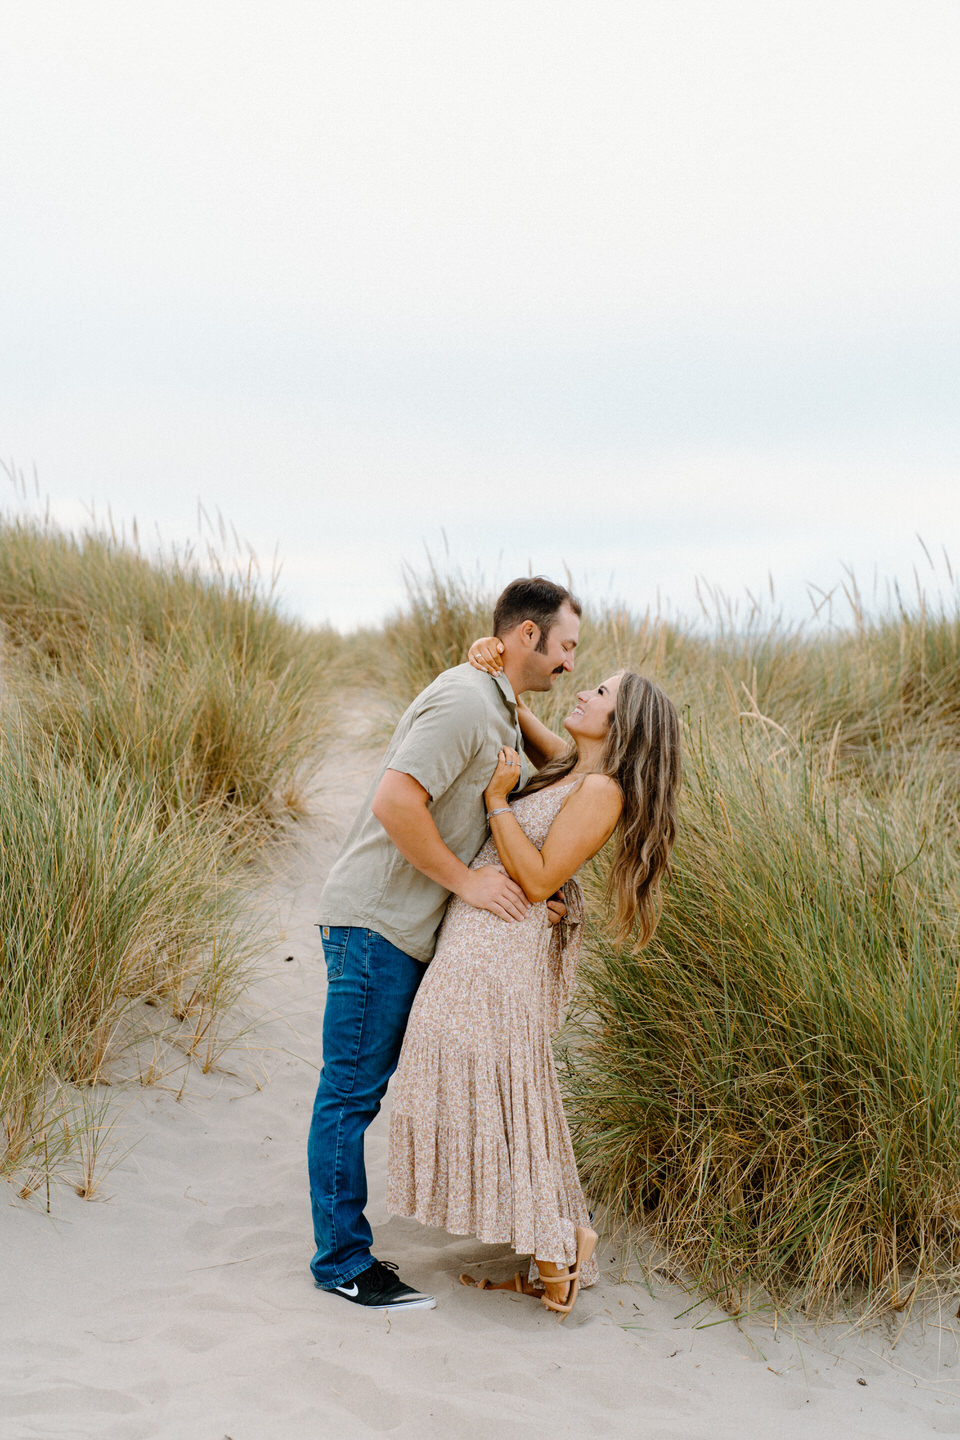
[157,723]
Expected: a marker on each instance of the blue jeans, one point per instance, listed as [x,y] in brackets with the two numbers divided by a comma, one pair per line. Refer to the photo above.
[370,988]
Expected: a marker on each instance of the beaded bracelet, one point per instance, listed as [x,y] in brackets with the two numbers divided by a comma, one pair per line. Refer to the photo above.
[504,810]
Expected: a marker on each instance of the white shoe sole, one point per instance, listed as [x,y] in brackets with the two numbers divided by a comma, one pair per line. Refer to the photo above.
[422,1302]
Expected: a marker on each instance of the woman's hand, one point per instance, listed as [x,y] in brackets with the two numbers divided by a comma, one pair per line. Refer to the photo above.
[505,778]
[484,654]
[556,908]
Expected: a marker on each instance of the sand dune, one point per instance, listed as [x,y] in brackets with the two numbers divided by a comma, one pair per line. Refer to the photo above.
[179,1306]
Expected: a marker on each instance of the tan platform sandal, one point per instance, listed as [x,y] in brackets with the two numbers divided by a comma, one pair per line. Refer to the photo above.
[586,1244]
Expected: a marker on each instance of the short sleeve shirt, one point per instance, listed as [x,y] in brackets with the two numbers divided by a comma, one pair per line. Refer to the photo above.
[448,740]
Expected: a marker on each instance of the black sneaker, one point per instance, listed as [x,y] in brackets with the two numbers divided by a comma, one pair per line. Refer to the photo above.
[380,1288]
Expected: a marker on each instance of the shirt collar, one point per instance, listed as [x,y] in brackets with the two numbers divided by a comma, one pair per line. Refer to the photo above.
[506,690]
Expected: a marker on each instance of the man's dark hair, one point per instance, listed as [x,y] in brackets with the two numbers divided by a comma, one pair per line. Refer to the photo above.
[532,598]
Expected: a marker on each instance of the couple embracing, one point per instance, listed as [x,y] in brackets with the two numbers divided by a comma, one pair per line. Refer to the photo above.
[464,856]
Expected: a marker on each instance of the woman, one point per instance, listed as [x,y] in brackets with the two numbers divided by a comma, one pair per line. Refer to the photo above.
[479,1142]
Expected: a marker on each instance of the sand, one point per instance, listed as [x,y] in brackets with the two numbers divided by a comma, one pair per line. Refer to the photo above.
[177,1304]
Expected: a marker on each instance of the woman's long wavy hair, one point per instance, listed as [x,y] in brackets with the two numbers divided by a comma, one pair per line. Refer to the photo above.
[642,754]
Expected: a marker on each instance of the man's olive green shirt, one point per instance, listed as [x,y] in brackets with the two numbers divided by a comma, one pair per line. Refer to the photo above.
[448,740]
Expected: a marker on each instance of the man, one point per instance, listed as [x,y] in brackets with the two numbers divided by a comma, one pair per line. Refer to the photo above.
[408,851]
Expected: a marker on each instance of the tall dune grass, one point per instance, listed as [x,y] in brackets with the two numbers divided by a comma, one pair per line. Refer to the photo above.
[772,1086]
[157,723]
[192,680]
[105,900]
[433,631]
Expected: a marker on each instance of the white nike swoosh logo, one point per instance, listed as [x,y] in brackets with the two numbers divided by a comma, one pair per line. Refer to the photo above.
[350,1290]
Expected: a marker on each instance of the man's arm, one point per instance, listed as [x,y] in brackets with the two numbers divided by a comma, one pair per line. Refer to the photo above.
[400,804]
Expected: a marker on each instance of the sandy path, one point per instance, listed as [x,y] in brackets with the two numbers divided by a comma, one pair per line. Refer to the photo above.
[179,1306]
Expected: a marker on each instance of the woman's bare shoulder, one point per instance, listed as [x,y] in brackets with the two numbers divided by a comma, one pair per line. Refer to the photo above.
[598,790]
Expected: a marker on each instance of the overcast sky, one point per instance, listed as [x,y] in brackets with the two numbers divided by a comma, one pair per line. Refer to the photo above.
[649,291]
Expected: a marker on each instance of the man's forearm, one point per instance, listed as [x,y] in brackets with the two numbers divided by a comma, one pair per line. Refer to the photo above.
[412,829]
[401,806]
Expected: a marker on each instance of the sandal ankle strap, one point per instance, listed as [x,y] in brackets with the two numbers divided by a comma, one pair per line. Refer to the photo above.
[560,1279]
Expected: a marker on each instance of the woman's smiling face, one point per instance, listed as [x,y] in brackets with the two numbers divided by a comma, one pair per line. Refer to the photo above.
[592,715]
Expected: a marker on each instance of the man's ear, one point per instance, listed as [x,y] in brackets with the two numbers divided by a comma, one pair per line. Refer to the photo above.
[530,632]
